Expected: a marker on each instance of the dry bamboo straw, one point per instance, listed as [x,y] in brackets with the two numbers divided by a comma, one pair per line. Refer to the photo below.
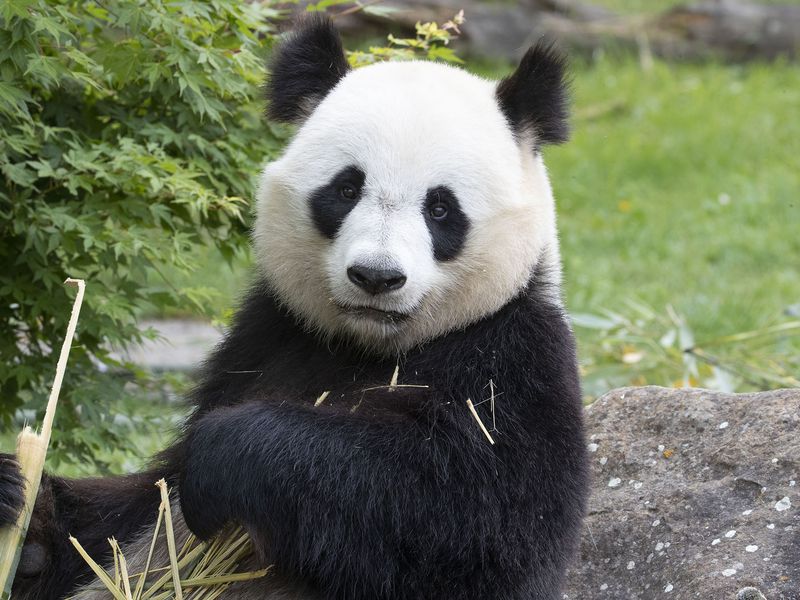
[31,452]
[474,412]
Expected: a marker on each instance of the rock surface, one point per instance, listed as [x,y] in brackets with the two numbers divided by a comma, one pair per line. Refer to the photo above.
[696,494]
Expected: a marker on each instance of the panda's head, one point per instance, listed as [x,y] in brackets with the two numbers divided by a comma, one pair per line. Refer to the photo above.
[412,200]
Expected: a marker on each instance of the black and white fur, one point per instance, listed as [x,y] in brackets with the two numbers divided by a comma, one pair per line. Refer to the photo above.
[409,224]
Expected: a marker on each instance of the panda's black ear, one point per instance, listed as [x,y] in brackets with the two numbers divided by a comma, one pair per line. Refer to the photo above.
[535,97]
[304,68]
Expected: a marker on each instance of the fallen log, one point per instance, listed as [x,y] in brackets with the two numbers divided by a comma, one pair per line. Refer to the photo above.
[730,30]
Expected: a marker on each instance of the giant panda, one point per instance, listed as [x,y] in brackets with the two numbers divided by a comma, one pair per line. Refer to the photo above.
[407,263]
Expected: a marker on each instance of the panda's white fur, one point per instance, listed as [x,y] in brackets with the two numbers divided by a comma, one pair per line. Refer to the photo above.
[409,126]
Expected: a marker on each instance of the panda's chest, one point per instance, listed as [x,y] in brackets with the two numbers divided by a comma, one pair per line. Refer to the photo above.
[367,389]
[374,402]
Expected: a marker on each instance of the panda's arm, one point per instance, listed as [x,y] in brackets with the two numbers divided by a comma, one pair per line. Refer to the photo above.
[339,498]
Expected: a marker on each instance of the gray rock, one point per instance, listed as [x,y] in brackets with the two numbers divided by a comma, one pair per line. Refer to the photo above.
[696,494]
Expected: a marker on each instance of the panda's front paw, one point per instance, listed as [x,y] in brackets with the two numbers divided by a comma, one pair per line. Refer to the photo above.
[203,514]
[12,490]
[202,485]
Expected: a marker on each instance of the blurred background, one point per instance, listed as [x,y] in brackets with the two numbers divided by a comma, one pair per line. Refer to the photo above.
[133,134]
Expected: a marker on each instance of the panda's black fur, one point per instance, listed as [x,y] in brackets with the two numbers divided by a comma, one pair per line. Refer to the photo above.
[381,493]
[378,492]
[535,98]
[305,69]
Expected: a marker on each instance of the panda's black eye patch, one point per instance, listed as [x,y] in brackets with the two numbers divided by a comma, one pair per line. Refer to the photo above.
[330,203]
[447,223]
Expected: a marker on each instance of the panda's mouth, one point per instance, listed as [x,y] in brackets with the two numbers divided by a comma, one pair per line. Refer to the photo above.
[374,314]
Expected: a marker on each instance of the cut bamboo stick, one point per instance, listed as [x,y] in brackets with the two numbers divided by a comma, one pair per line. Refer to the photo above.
[99,572]
[31,452]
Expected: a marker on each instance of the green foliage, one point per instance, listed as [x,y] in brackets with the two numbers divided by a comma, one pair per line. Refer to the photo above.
[131,131]
[430,43]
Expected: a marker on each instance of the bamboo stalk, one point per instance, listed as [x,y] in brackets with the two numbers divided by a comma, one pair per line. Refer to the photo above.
[173,556]
[220,579]
[162,581]
[98,571]
[143,577]
[31,452]
[123,571]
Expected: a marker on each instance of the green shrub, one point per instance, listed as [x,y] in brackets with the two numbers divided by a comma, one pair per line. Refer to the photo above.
[131,131]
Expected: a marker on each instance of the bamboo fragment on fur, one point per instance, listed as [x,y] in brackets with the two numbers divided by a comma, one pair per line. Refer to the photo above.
[321,398]
[395,376]
[31,453]
[143,577]
[474,412]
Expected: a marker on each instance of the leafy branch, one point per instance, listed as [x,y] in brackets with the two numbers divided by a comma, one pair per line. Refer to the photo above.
[431,43]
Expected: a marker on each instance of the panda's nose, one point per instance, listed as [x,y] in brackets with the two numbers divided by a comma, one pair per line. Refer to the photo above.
[376,281]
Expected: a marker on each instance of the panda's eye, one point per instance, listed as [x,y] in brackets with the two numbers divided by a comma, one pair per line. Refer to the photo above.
[348,192]
[438,211]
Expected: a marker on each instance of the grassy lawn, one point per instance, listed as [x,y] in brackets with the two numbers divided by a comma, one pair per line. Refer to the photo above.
[686,191]
[682,187]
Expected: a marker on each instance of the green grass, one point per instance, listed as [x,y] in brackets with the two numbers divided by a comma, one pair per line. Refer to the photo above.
[686,192]
[683,188]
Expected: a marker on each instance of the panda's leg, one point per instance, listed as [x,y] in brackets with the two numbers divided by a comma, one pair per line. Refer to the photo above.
[92,510]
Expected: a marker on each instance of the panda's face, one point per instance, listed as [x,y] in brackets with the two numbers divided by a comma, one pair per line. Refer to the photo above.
[405,207]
